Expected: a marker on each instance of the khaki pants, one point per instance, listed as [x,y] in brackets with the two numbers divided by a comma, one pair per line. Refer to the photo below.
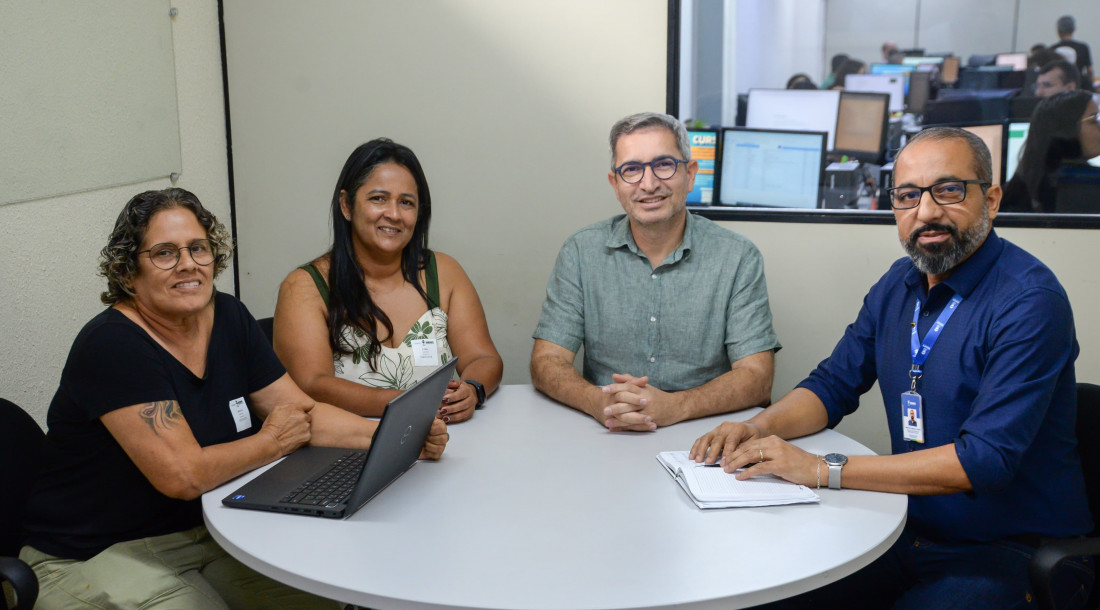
[182,570]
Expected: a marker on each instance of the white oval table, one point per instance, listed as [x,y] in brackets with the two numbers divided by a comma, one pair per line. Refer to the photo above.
[536,506]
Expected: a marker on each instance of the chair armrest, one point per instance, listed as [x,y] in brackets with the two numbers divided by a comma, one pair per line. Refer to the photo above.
[1046,559]
[22,580]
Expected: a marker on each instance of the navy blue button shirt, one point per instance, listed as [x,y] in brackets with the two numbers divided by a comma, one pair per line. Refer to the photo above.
[999,384]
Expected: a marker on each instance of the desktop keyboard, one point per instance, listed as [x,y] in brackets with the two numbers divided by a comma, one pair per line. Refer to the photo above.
[332,487]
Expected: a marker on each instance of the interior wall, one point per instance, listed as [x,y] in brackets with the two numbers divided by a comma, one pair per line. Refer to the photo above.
[507,104]
[962,27]
[50,247]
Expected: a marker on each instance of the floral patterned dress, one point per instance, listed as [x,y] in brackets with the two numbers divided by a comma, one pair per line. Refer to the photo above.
[395,367]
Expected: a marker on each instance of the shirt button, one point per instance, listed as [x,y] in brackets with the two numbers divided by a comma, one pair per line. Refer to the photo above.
[926,314]
[652,319]
[653,359]
[653,277]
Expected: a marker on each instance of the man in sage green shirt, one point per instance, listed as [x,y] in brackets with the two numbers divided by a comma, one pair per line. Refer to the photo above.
[672,310]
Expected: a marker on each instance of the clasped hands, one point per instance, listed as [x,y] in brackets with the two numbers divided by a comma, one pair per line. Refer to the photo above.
[743,445]
[632,404]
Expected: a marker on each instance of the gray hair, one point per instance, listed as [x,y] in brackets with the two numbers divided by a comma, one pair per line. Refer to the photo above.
[649,120]
[981,160]
[1066,24]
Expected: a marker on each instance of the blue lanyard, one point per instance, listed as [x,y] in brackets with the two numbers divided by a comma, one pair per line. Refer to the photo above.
[921,349]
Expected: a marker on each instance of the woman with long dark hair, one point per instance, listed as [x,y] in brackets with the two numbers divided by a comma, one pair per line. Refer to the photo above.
[380,310]
[1064,129]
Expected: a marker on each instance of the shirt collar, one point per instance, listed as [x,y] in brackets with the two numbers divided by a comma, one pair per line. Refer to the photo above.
[620,236]
[965,278]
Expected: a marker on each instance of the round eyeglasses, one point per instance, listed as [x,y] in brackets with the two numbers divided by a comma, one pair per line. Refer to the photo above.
[663,167]
[167,256]
[948,192]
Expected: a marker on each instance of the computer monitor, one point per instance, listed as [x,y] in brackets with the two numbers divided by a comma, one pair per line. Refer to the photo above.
[893,84]
[704,150]
[794,109]
[1018,61]
[897,69]
[771,168]
[993,136]
[1014,144]
[949,70]
[920,89]
[861,126]
[916,61]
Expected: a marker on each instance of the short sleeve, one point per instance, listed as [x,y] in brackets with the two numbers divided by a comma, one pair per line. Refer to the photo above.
[114,364]
[562,319]
[749,317]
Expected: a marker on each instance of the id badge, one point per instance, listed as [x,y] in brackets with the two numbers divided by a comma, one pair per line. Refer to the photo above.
[239,409]
[425,352]
[912,417]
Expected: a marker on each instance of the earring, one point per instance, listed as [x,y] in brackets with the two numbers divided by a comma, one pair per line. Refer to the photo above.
[347,217]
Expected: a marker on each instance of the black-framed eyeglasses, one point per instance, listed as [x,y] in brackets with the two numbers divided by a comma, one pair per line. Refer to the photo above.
[167,255]
[948,192]
[663,167]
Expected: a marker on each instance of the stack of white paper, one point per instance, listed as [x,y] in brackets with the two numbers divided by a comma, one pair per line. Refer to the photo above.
[710,487]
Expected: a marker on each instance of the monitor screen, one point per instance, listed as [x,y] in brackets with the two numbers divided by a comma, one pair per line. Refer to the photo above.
[861,125]
[894,84]
[794,109]
[920,89]
[949,70]
[771,168]
[704,150]
[916,61]
[1017,61]
[1017,134]
[993,136]
[891,69]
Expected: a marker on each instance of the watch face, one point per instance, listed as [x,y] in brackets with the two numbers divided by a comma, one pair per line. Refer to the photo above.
[836,459]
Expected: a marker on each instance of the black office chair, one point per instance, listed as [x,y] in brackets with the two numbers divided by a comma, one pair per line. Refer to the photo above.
[1049,555]
[268,324]
[20,451]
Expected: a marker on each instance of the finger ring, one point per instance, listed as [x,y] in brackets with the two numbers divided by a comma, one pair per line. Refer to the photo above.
[761,454]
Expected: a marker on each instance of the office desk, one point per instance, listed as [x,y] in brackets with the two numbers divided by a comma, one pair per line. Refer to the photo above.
[535,505]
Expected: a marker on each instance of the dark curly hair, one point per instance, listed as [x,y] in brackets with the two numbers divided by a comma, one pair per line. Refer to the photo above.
[118,259]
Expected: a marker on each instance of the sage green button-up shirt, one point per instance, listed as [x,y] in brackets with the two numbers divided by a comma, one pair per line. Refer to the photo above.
[682,324]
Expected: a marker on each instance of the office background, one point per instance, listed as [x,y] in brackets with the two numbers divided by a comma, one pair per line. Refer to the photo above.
[508,104]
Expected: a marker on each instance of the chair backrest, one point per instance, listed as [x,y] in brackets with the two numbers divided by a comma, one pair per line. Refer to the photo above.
[1088,446]
[268,324]
[20,450]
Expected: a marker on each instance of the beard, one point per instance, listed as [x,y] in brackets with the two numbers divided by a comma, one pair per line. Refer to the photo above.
[936,259]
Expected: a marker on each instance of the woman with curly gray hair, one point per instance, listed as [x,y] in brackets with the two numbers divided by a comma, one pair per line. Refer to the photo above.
[166,394]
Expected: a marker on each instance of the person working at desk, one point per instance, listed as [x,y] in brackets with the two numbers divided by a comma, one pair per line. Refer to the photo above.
[1055,77]
[990,461]
[1064,132]
[156,406]
[671,309]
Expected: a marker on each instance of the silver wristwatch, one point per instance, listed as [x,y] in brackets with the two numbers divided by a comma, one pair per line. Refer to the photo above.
[835,462]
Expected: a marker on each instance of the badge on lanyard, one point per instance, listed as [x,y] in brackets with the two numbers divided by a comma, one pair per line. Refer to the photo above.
[912,405]
[425,352]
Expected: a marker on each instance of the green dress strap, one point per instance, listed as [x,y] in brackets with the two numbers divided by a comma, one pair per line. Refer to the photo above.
[431,275]
[322,285]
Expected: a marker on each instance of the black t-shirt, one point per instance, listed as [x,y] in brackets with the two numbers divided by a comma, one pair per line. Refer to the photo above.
[89,494]
[1084,59]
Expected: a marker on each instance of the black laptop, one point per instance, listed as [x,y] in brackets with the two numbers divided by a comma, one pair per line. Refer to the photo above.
[332,482]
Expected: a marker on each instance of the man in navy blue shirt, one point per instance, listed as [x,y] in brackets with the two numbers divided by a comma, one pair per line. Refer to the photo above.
[972,342]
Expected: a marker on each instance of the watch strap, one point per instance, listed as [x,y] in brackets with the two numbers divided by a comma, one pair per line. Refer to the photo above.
[479,390]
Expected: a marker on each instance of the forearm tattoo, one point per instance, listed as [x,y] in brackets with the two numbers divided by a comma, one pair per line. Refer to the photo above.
[161,415]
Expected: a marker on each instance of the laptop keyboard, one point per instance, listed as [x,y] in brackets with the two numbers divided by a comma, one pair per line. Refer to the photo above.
[332,487]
